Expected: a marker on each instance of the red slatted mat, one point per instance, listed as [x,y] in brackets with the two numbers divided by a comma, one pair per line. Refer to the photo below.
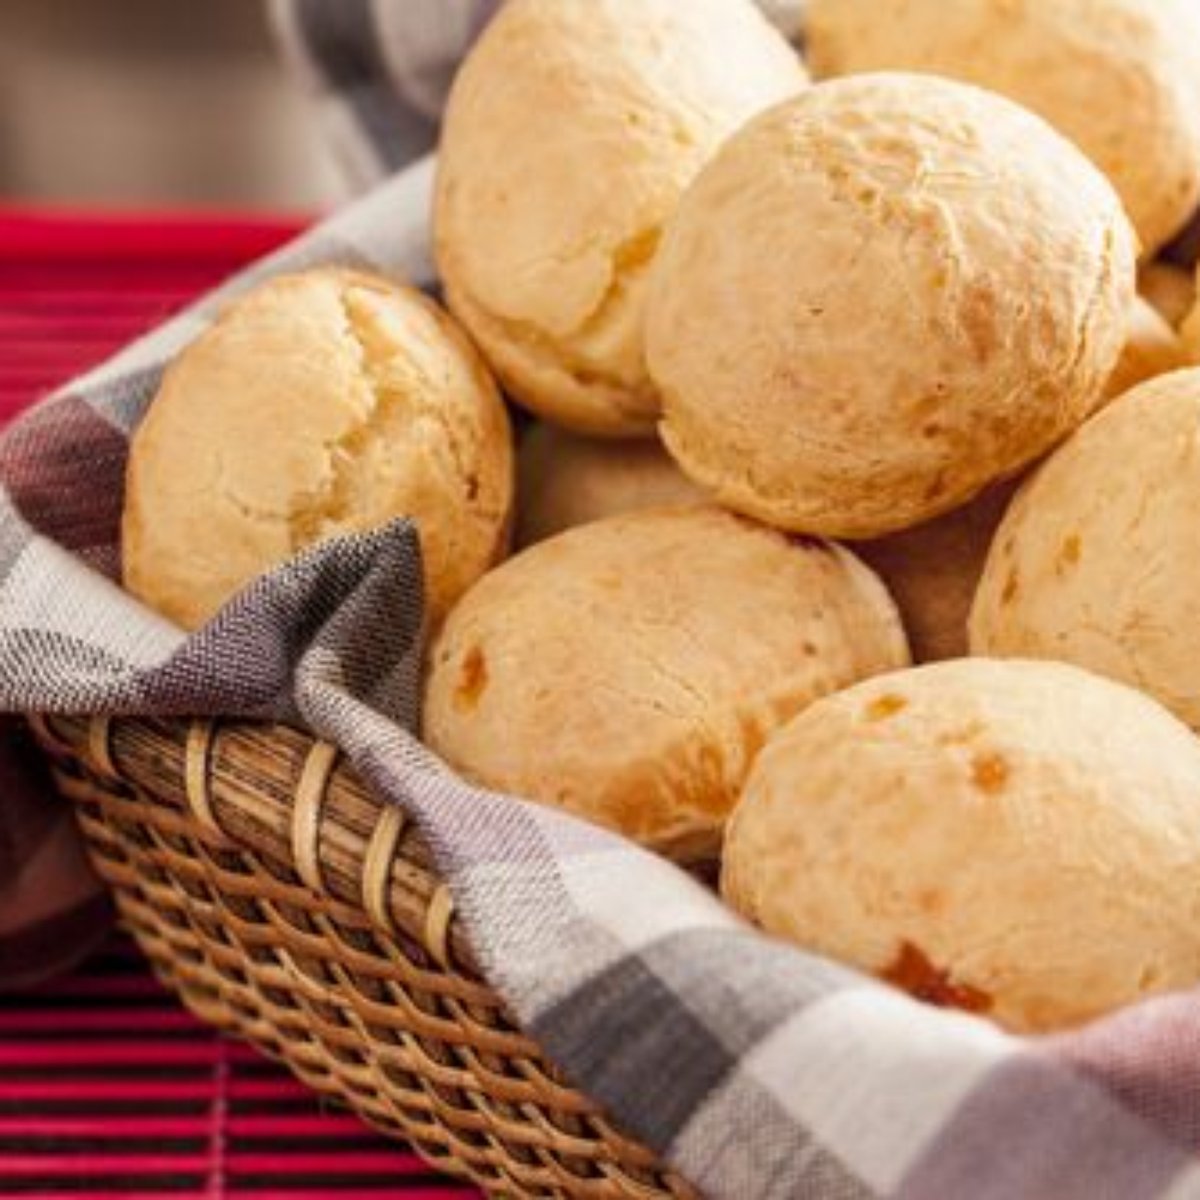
[107,1086]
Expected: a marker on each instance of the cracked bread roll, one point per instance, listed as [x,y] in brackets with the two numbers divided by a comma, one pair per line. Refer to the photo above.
[880,297]
[317,404]
[629,670]
[933,569]
[1151,348]
[1020,840]
[564,480]
[1095,561]
[1121,78]
[1168,288]
[572,128]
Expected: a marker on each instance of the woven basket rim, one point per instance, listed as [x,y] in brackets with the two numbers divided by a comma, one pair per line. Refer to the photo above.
[269,887]
[346,841]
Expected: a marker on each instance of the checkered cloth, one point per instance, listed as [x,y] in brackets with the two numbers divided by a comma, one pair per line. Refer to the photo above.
[760,1072]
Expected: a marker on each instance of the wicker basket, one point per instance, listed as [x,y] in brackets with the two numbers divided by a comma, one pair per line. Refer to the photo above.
[284,903]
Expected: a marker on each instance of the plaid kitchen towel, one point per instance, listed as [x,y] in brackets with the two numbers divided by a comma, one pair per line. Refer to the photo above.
[755,1069]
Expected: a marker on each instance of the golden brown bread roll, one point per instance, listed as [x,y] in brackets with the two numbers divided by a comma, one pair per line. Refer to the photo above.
[1169,288]
[565,480]
[628,670]
[932,570]
[317,404]
[572,128]
[1095,561]
[1121,78]
[1189,332]
[878,298]
[1151,348]
[1020,840]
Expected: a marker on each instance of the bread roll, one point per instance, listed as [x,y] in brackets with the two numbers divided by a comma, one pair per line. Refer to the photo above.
[1095,561]
[880,297]
[1189,333]
[1151,348]
[1121,78]
[629,670]
[932,570]
[1168,288]
[317,404]
[1019,840]
[572,129]
[564,480]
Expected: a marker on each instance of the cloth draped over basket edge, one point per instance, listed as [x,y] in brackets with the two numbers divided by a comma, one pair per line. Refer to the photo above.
[756,1070]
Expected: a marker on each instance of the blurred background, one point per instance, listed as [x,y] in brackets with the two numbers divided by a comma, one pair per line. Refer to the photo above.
[143,103]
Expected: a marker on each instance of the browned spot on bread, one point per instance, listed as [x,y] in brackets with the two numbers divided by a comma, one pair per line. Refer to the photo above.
[885,706]
[979,322]
[912,972]
[931,900]
[1068,552]
[935,489]
[1011,587]
[931,403]
[989,772]
[472,679]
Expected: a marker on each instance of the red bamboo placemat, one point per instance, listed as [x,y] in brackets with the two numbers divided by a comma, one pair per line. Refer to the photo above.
[107,1086]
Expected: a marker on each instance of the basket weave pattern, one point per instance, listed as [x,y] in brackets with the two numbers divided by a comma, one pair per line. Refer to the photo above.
[285,904]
